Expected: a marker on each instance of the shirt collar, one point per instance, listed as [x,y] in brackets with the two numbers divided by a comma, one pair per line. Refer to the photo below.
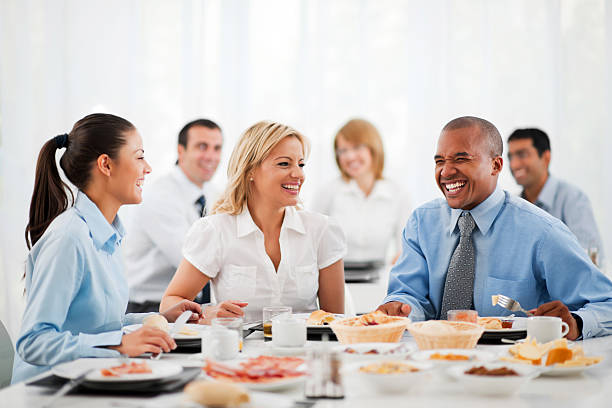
[192,191]
[484,213]
[104,235]
[546,199]
[245,224]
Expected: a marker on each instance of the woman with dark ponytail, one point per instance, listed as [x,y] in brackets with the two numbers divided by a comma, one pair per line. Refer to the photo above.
[75,288]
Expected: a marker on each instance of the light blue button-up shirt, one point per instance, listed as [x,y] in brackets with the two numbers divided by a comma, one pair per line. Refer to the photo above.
[567,203]
[521,252]
[76,292]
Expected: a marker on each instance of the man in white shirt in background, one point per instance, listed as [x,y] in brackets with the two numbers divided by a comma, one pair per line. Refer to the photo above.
[170,205]
[529,157]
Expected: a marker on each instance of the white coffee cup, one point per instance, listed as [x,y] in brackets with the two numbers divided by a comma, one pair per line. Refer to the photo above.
[288,331]
[220,344]
[546,328]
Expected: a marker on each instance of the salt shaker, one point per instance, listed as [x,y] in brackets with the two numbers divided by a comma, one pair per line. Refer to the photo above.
[324,373]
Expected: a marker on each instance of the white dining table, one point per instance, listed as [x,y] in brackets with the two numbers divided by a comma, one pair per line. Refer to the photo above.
[592,388]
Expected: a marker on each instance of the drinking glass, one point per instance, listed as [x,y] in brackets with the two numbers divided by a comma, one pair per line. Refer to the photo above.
[463,315]
[594,255]
[269,312]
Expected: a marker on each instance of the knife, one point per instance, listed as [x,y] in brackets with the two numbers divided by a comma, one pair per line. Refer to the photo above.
[179,323]
[69,386]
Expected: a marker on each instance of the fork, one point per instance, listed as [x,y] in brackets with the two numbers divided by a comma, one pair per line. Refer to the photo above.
[511,304]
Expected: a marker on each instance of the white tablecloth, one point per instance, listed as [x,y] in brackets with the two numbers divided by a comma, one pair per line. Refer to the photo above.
[593,388]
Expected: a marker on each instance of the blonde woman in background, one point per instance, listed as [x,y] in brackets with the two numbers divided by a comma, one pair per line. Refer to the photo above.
[371,209]
[258,248]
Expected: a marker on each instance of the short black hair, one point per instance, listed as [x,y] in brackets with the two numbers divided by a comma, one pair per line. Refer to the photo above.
[182,136]
[487,128]
[538,137]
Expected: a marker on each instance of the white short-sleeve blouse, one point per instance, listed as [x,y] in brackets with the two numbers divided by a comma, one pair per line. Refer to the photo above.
[230,250]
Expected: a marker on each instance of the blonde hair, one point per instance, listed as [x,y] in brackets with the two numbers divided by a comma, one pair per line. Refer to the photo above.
[360,131]
[254,146]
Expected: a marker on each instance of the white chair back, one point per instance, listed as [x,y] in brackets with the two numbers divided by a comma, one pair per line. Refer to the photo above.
[7,354]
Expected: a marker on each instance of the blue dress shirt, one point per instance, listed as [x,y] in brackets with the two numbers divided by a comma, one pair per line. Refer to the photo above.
[75,290]
[569,204]
[521,252]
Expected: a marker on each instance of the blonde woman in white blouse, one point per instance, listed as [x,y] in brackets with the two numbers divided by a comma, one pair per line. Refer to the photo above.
[258,248]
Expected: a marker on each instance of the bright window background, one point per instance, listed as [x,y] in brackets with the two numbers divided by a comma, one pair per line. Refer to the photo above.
[408,66]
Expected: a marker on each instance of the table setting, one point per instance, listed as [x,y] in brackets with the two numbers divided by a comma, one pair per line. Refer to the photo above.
[379,359]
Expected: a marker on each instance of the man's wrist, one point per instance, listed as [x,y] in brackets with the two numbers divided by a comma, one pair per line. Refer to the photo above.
[579,324]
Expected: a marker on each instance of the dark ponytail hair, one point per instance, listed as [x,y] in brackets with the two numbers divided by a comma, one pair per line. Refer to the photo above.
[92,136]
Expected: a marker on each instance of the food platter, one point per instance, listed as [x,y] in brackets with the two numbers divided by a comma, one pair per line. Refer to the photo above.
[73,369]
[264,373]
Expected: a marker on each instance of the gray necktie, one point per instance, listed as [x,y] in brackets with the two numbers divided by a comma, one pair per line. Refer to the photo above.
[459,284]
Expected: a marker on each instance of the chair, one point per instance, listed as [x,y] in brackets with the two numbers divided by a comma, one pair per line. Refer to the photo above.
[7,354]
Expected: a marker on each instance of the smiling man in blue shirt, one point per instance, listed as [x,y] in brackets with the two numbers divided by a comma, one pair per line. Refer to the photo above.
[512,247]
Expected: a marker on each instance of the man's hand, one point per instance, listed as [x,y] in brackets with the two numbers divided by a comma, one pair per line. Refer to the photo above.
[558,309]
[173,312]
[395,309]
[146,339]
[227,308]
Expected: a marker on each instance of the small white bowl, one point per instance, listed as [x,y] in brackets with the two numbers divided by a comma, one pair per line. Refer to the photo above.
[475,356]
[491,385]
[394,383]
[374,351]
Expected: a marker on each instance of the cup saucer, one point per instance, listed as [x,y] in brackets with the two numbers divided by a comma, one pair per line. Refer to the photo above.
[288,351]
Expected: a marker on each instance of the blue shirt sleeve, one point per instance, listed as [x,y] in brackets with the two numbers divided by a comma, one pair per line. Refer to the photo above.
[55,279]
[572,278]
[409,277]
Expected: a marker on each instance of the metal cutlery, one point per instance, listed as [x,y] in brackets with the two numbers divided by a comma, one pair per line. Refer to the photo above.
[179,323]
[511,304]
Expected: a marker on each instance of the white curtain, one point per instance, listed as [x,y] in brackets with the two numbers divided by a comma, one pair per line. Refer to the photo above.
[408,66]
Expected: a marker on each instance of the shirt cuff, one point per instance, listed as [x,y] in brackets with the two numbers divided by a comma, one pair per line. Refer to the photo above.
[135,318]
[589,323]
[90,344]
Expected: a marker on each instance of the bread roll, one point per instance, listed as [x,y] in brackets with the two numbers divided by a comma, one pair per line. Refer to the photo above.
[216,393]
[158,321]
[320,317]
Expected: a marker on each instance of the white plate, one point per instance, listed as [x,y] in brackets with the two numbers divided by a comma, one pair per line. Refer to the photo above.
[489,385]
[519,324]
[275,385]
[199,328]
[555,371]
[287,351]
[386,351]
[315,326]
[475,356]
[72,369]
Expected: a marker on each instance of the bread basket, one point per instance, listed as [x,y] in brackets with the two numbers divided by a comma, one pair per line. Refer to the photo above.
[390,332]
[462,335]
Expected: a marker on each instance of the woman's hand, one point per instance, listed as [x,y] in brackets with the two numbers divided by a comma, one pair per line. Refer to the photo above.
[227,308]
[173,312]
[146,339]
